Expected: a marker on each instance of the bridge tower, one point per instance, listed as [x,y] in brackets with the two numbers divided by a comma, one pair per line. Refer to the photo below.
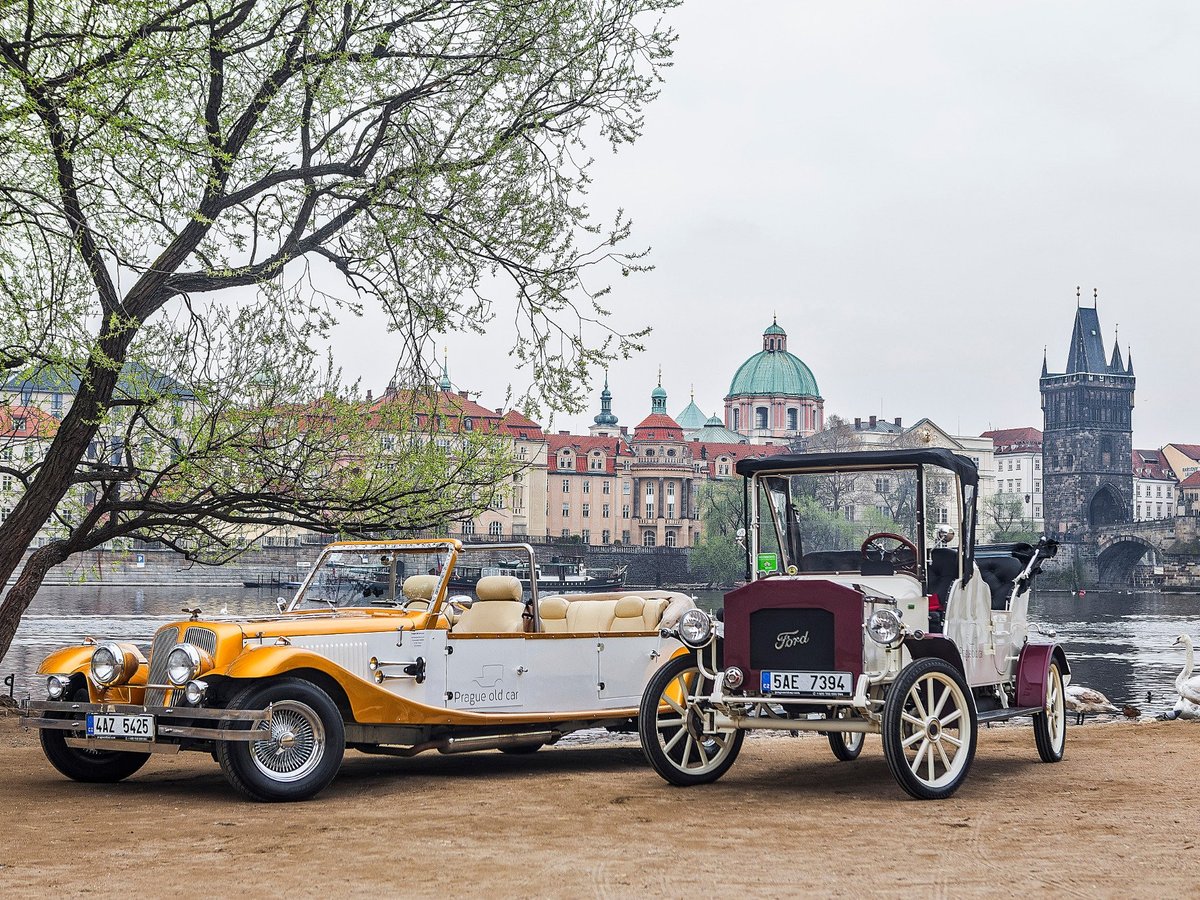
[1087,438]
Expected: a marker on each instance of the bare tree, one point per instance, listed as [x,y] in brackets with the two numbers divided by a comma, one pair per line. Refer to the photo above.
[177,170]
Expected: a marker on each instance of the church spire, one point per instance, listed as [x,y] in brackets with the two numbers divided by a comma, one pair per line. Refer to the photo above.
[658,397]
[606,416]
[444,382]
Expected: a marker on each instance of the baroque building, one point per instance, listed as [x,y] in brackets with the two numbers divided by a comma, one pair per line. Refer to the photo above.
[773,397]
[1087,438]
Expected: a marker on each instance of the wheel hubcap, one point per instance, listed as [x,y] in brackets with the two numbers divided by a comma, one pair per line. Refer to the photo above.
[294,744]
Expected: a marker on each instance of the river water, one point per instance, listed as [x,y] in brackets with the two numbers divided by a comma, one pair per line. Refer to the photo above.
[1118,643]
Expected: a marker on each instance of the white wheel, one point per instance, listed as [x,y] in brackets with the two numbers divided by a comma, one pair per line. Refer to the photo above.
[929,729]
[1050,725]
[671,727]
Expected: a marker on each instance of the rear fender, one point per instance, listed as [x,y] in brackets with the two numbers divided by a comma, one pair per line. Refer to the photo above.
[1033,672]
[940,647]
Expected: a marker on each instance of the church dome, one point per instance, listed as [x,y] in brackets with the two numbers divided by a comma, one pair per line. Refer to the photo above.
[773,371]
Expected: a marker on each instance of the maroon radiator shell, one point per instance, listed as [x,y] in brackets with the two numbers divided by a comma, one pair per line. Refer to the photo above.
[846,605]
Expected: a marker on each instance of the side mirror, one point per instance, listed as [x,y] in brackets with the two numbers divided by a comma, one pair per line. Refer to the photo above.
[281,603]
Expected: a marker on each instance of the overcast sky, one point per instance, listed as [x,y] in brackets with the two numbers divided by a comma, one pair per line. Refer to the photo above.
[916,189]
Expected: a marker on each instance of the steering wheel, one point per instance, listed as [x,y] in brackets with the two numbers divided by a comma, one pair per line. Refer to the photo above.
[870,549]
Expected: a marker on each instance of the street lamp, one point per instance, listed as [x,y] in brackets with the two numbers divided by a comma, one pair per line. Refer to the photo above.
[1029,518]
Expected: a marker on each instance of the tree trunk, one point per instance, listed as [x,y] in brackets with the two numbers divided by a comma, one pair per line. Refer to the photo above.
[18,598]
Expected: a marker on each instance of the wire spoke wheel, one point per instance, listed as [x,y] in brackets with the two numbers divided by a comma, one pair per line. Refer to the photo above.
[671,727]
[929,729]
[296,743]
[1050,725]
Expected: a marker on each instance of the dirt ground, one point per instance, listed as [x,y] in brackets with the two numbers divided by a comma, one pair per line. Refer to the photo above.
[1117,817]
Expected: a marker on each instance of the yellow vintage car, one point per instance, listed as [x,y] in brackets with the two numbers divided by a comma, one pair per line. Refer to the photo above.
[372,654]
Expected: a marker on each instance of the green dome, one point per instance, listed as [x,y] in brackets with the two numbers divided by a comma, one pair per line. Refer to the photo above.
[775,329]
[691,417]
[774,373]
[658,393]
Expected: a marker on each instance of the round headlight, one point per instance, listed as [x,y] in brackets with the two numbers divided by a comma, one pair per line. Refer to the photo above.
[183,664]
[56,685]
[195,692]
[695,628]
[111,665]
[734,678]
[885,627]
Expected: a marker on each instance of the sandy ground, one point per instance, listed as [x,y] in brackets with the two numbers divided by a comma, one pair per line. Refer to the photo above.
[1118,817]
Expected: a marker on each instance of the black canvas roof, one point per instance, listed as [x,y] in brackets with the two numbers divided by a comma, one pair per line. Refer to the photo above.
[800,462]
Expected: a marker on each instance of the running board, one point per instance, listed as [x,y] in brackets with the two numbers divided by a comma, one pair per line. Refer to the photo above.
[1000,715]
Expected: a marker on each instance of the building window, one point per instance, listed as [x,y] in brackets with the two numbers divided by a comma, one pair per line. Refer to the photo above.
[881,485]
[468,425]
[566,532]
[1037,512]
[760,417]
[625,487]
[1037,485]
[587,510]
[671,451]
[670,510]
[670,489]
[649,511]
[625,511]
[1037,464]
[1018,465]
[737,420]
[670,539]
[605,486]
[605,536]
[850,513]
[6,483]
[792,420]
[468,527]
[625,536]
[649,490]
[566,485]
[585,536]
[604,512]
[587,486]
[18,423]
[566,510]
[649,451]
[648,539]
[943,515]
[496,529]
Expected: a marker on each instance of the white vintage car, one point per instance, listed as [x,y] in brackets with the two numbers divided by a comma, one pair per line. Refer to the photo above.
[862,615]
[371,654]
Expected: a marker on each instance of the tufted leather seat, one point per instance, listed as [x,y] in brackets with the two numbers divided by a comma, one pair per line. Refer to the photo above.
[498,610]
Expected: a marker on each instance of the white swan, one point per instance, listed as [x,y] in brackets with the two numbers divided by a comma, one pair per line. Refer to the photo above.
[1187,685]
[1185,709]
[1081,701]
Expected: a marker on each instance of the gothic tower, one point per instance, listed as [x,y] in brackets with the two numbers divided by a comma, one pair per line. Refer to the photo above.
[1087,438]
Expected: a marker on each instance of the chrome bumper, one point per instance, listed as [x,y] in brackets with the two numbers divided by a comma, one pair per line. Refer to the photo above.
[45,714]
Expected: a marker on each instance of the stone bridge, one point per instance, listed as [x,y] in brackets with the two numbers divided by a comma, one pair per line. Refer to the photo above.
[1115,550]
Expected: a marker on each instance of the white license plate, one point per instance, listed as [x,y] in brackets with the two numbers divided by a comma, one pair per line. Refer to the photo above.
[807,684]
[131,728]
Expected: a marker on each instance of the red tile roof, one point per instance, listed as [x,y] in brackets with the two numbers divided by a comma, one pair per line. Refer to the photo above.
[26,422]
[658,427]
[1150,464]
[521,427]
[1192,481]
[1015,440]
[1189,450]
[583,445]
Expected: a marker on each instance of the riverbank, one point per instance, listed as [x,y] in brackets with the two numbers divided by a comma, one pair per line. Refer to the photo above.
[1113,819]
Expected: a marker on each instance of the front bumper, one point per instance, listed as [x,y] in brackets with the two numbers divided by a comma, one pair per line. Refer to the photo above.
[173,724]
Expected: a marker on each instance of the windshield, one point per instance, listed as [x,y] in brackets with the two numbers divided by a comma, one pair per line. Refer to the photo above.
[830,521]
[366,575]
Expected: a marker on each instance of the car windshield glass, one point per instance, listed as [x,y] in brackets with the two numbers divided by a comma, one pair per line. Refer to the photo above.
[823,522]
[382,576]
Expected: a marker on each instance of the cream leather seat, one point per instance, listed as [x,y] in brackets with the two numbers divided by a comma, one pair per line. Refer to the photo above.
[418,590]
[590,616]
[627,614]
[553,613]
[652,613]
[497,611]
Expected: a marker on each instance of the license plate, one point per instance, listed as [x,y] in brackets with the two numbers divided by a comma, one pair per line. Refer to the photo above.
[807,684]
[131,728]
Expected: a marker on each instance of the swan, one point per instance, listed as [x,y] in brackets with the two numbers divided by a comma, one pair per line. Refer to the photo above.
[1187,685]
[1081,701]
[1185,709]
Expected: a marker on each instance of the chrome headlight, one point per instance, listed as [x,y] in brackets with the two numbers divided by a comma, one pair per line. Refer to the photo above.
[695,628]
[183,664]
[56,686]
[195,692]
[884,627]
[112,664]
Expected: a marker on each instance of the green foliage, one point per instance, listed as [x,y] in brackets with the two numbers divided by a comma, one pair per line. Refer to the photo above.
[718,557]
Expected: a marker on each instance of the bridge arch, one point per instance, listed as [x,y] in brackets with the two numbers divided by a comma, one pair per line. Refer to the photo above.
[1118,556]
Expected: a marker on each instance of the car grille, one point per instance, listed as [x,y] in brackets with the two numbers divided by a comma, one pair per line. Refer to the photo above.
[799,640]
[203,638]
[163,642]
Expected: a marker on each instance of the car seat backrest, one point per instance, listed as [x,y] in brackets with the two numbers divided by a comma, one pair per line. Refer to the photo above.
[498,587]
[628,614]
[652,613]
[590,616]
[419,587]
[553,613]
